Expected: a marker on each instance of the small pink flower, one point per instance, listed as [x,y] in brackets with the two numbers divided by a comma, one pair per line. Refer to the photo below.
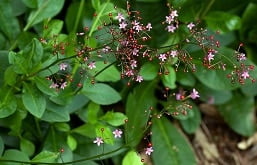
[190,26]
[245,75]
[123,25]
[106,49]
[171,28]
[120,17]
[162,57]
[169,19]
[117,133]
[91,65]
[129,73]
[148,26]
[98,141]
[133,64]
[63,85]
[174,13]
[241,57]
[54,85]
[63,66]
[210,56]
[139,78]
[173,53]
[194,94]
[149,150]
[135,51]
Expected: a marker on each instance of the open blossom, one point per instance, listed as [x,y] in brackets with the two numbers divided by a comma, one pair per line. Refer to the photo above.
[190,26]
[63,66]
[122,25]
[133,64]
[245,75]
[149,26]
[120,17]
[169,19]
[171,28]
[54,85]
[135,51]
[98,141]
[162,57]
[91,65]
[139,78]
[149,150]
[210,56]
[117,133]
[241,57]
[194,94]
[174,13]
[63,85]
[173,53]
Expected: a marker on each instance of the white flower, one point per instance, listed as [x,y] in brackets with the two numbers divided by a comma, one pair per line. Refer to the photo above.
[149,26]
[123,25]
[91,65]
[139,78]
[63,66]
[190,26]
[117,133]
[171,28]
[120,17]
[63,85]
[245,75]
[149,150]
[162,57]
[98,141]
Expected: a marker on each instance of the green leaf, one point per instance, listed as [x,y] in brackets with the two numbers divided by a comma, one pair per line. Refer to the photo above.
[138,107]
[101,94]
[87,130]
[185,78]
[55,113]
[149,71]
[114,118]
[1,146]
[169,79]
[8,102]
[44,86]
[27,147]
[4,65]
[30,3]
[96,4]
[213,96]
[54,27]
[110,74]
[9,23]
[17,155]
[10,76]
[191,124]
[64,127]
[250,89]
[105,133]
[132,157]
[20,64]
[72,143]
[223,21]
[240,117]
[166,136]
[102,16]
[34,52]
[45,157]
[92,112]
[45,9]
[33,100]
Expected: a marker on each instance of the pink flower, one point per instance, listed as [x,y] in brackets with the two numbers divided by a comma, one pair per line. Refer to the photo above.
[149,26]
[210,56]
[133,64]
[245,75]
[129,73]
[123,25]
[194,94]
[63,85]
[120,17]
[169,19]
[171,28]
[139,78]
[149,150]
[63,66]
[98,141]
[241,57]
[162,57]
[174,13]
[91,65]
[190,26]
[173,53]
[106,49]
[117,133]
[135,51]
[54,85]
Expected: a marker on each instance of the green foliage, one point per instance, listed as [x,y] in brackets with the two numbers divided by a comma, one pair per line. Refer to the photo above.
[166,136]
[239,116]
[101,93]
[138,106]
[131,158]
